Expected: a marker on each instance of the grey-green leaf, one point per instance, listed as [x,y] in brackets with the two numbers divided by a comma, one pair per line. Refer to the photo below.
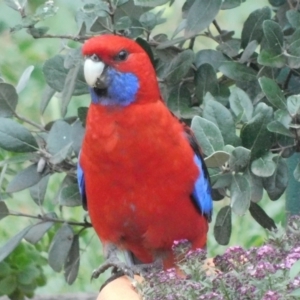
[3,210]
[72,263]
[240,194]
[70,196]
[240,103]
[221,116]
[217,159]
[208,135]
[179,66]
[222,229]
[252,29]
[210,56]
[200,15]
[277,127]
[296,173]
[237,71]
[59,137]
[255,135]
[24,179]
[239,159]
[260,216]
[277,183]
[206,81]
[16,138]
[293,104]
[24,79]
[273,35]
[38,191]
[12,243]
[272,92]
[264,166]
[8,100]
[60,247]
[37,231]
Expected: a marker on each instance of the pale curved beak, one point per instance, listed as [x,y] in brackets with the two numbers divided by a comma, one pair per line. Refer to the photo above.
[95,73]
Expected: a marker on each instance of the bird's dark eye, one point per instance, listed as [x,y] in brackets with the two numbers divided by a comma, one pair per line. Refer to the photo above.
[122,55]
[94,57]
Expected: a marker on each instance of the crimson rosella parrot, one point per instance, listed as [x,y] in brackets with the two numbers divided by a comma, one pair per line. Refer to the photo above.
[140,169]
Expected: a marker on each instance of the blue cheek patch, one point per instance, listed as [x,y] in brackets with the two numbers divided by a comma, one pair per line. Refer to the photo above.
[122,89]
[202,190]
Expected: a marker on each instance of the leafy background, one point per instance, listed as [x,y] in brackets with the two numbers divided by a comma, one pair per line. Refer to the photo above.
[19,50]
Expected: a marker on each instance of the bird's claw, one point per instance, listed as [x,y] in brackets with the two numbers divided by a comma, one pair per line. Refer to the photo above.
[118,267]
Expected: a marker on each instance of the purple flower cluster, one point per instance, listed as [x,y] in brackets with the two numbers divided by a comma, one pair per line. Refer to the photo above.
[256,273]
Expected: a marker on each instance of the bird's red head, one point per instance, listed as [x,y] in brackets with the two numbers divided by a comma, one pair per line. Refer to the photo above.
[119,66]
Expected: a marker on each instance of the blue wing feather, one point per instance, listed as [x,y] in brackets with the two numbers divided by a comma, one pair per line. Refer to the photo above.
[81,184]
[202,189]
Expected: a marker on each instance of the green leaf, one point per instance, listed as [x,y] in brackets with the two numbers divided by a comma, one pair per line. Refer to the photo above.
[70,196]
[228,4]
[179,102]
[248,52]
[277,127]
[293,17]
[283,117]
[58,137]
[221,116]
[256,186]
[55,75]
[208,135]
[150,3]
[179,66]
[277,183]
[217,159]
[252,29]
[77,134]
[60,247]
[148,20]
[260,216]
[237,71]
[16,138]
[222,229]
[206,81]
[269,59]
[200,15]
[71,266]
[3,210]
[69,88]
[37,231]
[293,104]
[25,179]
[240,194]
[264,166]
[239,159]
[255,135]
[241,104]
[293,50]
[277,2]
[272,92]
[48,93]
[294,270]
[8,100]
[273,35]
[82,114]
[223,181]
[230,48]
[8,285]
[209,56]
[23,81]
[296,174]
[38,191]
[123,23]
[12,243]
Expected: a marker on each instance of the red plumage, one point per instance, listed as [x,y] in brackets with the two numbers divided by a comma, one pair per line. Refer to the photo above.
[138,165]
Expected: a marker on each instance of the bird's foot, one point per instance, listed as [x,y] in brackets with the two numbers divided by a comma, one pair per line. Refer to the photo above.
[118,266]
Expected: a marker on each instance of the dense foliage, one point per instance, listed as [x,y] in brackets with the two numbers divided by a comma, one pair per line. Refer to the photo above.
[241,100]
